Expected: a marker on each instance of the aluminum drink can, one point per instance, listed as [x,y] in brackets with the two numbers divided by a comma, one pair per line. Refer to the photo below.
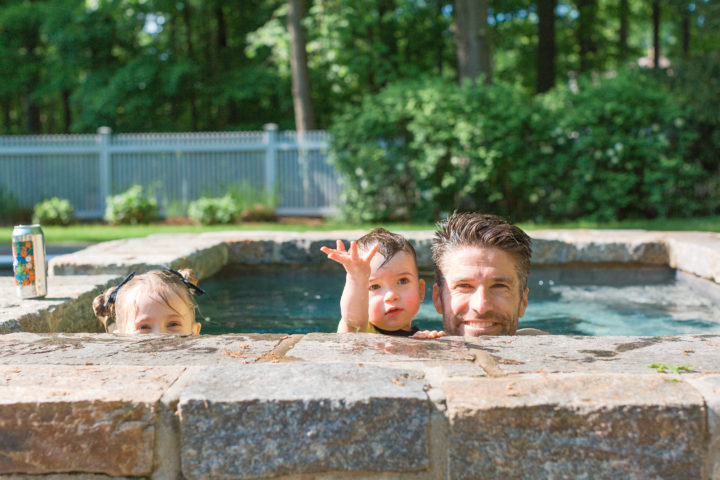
[29,261]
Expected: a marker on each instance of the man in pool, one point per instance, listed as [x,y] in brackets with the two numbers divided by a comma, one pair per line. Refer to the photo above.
[482,265]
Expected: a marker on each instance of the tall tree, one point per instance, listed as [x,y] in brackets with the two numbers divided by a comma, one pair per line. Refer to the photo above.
[546,45]
[304,118]
[472,42]
[623,14]
[586,24]
[656,33]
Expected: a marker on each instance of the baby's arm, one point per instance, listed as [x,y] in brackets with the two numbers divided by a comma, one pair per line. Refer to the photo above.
[355,297]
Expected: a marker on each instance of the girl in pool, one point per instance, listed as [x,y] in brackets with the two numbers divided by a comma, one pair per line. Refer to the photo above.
[159,301]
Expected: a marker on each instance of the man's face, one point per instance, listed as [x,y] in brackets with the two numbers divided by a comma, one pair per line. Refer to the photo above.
[480,294]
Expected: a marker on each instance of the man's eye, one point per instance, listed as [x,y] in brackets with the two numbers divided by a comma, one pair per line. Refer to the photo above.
[463,286]
[500,286]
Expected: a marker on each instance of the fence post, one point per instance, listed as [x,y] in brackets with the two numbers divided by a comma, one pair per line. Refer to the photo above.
[104,139]
[271,130]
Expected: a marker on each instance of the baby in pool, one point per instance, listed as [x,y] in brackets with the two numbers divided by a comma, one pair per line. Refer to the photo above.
[383,289]
[159,301]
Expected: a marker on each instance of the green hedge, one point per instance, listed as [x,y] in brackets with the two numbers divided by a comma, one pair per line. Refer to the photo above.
[614,148]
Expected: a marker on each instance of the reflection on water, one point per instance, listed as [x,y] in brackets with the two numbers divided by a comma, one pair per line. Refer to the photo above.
[569,302]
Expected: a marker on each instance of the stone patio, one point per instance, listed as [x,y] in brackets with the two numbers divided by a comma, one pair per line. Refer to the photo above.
[321,406]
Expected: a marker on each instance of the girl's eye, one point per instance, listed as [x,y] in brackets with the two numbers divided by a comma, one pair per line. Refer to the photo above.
[374,286]
[404,281]
[175,324]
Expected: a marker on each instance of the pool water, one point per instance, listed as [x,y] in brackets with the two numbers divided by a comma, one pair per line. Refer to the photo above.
[569,302]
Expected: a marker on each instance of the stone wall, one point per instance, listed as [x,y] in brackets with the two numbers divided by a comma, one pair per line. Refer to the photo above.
[365,406]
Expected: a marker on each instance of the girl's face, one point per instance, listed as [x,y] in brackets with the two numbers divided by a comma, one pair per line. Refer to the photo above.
[154,315]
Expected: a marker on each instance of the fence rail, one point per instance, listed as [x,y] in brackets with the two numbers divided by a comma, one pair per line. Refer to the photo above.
[177,167]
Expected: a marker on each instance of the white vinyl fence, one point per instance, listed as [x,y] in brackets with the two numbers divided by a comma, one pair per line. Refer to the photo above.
[176,167]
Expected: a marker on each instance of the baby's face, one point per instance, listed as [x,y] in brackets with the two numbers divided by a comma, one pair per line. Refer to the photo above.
[154,315]
[396,292]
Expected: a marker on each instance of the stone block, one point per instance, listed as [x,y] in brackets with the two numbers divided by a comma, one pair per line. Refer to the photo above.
[709,388]
[66,308]
[370,348]
[576,354]
[575,426]
[696,253]
[265,420]
[56,419]
[152,350]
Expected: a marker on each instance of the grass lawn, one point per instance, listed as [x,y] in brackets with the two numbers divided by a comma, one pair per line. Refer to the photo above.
[91,233]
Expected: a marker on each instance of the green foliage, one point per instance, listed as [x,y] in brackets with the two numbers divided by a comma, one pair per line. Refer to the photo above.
[54,211]
[616,148]
[620,146]
[423,148]
[213,211]
[131,207]
[253,204]
[241,202]
[664,367]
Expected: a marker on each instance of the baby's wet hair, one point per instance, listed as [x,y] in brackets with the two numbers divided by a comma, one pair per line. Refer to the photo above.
[390,244]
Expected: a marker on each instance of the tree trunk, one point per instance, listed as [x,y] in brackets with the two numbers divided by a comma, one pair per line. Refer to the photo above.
[623,14]
[656,33]
[686,31]
[587,10]
[67,112]
[304,119]
[472,42]
[546,45]
[191,57]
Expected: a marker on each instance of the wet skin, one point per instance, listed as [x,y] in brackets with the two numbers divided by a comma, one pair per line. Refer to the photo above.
[396,291]
[480,294]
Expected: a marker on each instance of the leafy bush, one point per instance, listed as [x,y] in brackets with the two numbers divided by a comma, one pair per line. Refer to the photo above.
[620,151]
[131,207]
[210,211]
[241,202]
[420,149]
[253,204]
[54,211]
[615,148]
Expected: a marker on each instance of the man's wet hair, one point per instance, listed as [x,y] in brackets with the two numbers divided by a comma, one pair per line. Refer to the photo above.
[390,244]
[482,230]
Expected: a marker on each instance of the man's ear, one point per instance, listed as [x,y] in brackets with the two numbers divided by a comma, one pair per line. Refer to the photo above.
[437,299]
[422,289]
[524,303]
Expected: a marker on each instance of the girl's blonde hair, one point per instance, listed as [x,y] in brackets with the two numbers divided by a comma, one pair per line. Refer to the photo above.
[114,305]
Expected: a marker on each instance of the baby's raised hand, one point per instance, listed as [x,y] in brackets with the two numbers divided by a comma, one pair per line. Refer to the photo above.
[350,259]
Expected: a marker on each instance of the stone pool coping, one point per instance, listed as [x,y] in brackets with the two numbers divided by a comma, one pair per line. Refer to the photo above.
[321,406]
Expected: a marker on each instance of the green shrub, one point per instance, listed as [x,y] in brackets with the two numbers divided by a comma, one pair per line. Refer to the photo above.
[620,150]
[210,211]
[253,204]
[616,148]
[54,211]
[131,207]
[420,149]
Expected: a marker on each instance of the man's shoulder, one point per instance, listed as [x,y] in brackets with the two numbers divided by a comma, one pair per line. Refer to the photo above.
[531,331]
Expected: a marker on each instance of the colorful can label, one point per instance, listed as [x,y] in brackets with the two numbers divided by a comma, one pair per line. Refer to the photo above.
[29,264]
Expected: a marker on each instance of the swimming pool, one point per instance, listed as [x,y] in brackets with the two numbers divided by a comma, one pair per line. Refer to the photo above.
[617,301]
